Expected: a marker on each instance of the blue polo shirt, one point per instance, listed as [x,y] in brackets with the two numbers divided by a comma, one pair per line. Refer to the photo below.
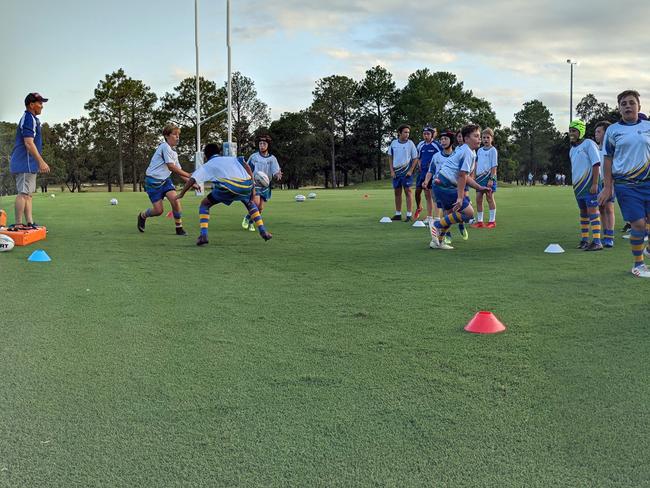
[21,160]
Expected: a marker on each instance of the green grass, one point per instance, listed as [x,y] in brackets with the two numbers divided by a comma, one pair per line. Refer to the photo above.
[333,355]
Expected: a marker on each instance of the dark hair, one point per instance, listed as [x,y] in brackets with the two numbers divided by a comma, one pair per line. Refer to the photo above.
[469,129]
[402,127]
[604,124]
[211,149]
[627,93]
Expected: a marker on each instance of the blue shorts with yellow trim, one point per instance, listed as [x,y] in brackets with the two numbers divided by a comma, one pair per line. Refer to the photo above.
[157,189]
[446,198]
[634,200]
[587,200]
[263,193]
[228,191]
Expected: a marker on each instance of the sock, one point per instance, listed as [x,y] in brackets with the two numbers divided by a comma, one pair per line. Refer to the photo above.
[398,212]
[461,227]
[204,219]
[148,213]
[584,226]
[493,215]
[609,234]
[594,222]
[255,217]
[248,218]
[448,234]
[449,220]
[408,214]
[178,219]
[636,241]
[479,216]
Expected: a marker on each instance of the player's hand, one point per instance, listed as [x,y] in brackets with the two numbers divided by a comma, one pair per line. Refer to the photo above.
[180,195]
[604,196]
[457,205]
[408,174]
[43,168]
[425,185]
[196,187]
[593,189]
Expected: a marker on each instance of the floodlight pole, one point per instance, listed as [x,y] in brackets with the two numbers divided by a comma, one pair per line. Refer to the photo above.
[229,73]
[198,157]
[572,63]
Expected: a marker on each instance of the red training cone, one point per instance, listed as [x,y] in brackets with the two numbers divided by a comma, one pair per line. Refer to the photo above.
[485,323]
[170,214]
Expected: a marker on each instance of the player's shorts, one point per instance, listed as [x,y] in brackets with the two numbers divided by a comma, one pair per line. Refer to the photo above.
[263,193]
[421,177]
[402,181]
[25,183]
[485,180]
[446,198]
[226,193]
[157,189]
[587,200]
[634,200]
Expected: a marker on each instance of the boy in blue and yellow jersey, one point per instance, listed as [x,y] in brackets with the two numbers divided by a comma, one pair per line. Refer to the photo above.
[402,159]
[158,183]
[449,186]
[232,181]
[627,164]
[585,173]
[607,214]
[267,163]
[426,150]
[487,160]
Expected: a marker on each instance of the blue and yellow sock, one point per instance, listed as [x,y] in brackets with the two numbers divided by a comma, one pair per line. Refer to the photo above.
[204,219]
[584,226]
[255,217]
[594,222]
[636,241]
[178,220]
[148,213]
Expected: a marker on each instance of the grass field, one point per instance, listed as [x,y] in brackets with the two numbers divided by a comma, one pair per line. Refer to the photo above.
[333,355]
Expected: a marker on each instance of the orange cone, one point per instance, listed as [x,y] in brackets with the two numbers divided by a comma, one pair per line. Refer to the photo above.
[485,323]
[170,214]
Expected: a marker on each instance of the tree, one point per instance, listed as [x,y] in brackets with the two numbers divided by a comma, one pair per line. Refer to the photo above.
[591,111]
[334,109]
[508,165]
[70,143]
[248,112]
[378,96]
[534,132]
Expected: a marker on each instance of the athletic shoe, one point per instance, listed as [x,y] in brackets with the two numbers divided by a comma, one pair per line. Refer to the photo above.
[641,271]
[646,252]
[434,231]
[245,222]
[267,236]
[408,219]
[180,231]
[594,246]
[608,243]
[417,213]
[477,225]
[447,240]
[251,227]
[583,245]
[33,225]
[445,246]
[491,225]
[464,233]
[141,222]
[627,227]
[202,240]
[396,217]
[434,244]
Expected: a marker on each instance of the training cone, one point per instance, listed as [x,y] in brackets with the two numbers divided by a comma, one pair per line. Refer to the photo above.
[170,214]
[554,249]
[39,256]
[485,323]
[365,196]
[385,220]
[418,223]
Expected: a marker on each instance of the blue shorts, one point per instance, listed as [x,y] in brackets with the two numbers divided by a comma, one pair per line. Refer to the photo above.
[219,195]
[263,193]
[485,181]
[402,181]
[634,200]
[587,200]
[157,189]
[446,198]
[421,177]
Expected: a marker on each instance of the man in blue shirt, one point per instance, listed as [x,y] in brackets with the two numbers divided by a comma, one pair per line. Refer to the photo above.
[426,149]
[26,159]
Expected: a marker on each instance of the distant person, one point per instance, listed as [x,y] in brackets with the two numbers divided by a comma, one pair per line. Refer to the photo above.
[403,158]
[563,176]
[627,165]
[265,162]
[585,173]
[26,160]
[427,148]
[158,183]
[607,213]
[544,179]
[232,181]
[487,160]
[530,179]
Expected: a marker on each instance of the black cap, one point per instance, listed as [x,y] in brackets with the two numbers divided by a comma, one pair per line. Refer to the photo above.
[34,97]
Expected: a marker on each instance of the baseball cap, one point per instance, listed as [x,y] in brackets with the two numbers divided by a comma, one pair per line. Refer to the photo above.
[34,97]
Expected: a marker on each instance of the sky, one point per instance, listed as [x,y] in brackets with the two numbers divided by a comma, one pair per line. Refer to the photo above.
[508,52]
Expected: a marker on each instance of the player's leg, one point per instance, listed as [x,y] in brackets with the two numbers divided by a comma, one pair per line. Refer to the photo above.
[418,202]
[479,209]
[429,199]
[594,223]
[256,218]
[259,201]
[156,193]
[408,181]
[607,217]
[635,207]
[177,212]
[584,225]
[155,210]
[492,222]
[397,190]
[204,218]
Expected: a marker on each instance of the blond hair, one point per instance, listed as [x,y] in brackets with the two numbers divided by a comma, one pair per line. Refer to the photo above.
[488,131]
[169,129]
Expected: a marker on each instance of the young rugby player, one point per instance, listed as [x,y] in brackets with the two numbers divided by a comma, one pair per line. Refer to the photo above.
[403,158]
[486,175]
[158,183]
[426,150]
[232,181]
[585,173]
[627,164]
[606,210]
[267,163]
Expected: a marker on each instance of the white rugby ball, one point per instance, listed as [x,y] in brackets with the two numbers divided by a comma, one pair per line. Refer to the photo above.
[113,201]
[53,195]
[311,196]
[262,179]
[6,243]
[300,198]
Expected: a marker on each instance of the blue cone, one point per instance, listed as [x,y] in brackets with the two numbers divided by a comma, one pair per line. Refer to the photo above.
[39,256]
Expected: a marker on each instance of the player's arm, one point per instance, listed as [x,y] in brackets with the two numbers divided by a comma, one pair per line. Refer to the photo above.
[179,171]
[606,192]
[247,168]
[472,183]
[390,166]
[414,164]
[43,167]
[190,183]
[595,176]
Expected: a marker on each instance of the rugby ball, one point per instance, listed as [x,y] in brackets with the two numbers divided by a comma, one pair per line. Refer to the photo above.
[113,201]
[262,179]
[311,196]
[53,195]
[6,243]
[300,198]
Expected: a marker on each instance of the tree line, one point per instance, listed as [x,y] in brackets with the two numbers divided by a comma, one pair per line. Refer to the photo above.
[340,139]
